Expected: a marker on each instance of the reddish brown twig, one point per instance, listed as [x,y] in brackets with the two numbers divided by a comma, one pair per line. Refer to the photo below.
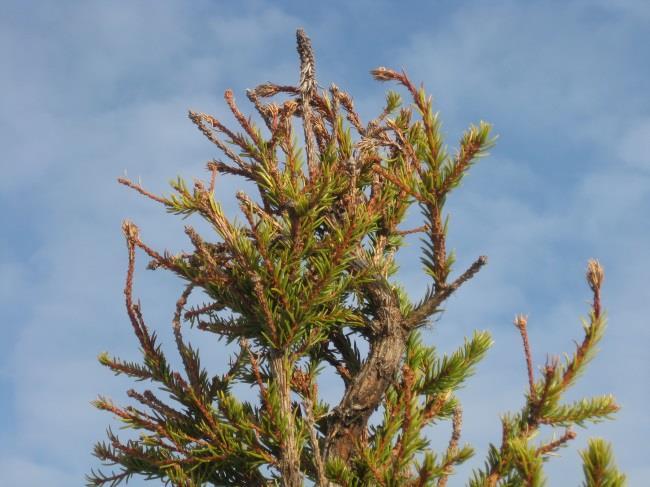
[521,323]
[141,190]
[554,445]
[452,449]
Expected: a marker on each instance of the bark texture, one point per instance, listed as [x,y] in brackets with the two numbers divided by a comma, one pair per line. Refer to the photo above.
[364,393]
[289,456]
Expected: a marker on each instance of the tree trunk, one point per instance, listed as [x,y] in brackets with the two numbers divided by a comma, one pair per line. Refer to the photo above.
[366,390]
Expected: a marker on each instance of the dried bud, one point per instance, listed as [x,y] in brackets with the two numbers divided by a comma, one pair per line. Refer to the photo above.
[266,90]
[595,274]
[521,321]
[301,382]
[129,230]
[307,65]
[384,74]
[244,198]
[199,186]
[289,107]
[194,117]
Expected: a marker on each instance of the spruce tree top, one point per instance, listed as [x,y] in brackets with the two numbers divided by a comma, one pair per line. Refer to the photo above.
[306,278]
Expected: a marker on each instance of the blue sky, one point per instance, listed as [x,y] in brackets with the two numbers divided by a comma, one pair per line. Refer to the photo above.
[89,89]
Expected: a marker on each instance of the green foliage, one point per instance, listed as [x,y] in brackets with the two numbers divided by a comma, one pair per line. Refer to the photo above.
[599,467]
[297,285]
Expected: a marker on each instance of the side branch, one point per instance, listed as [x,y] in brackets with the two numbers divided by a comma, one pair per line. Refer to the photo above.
[452,449]
[521,322]
[141,190]
[430,305]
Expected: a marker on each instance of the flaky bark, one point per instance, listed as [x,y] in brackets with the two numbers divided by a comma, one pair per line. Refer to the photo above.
[366,390]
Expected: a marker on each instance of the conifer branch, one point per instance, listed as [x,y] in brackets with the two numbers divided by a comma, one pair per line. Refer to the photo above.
[199,118]
[430,304]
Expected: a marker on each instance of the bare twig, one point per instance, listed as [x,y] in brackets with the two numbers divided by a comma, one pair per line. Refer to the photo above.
[141,190]
[452,449]
[521,323]
[430,305]
[308,407]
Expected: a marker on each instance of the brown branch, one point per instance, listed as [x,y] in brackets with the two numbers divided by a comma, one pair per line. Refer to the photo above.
[201,310]
[536,406]
[149,399]
[308,407]
[190,368]
[141,190]
[438,242]
[521,323]
[258,289]
[430,305]
[348,105]
[265,110]
[248,206]
[267,90]
[224,168]
[258,376]
[243,121]
[132,414]
[131,233]
[422,228]
[408,379]
[434,405]
[213,176]
[452,449]
[197,119]
[554,445]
